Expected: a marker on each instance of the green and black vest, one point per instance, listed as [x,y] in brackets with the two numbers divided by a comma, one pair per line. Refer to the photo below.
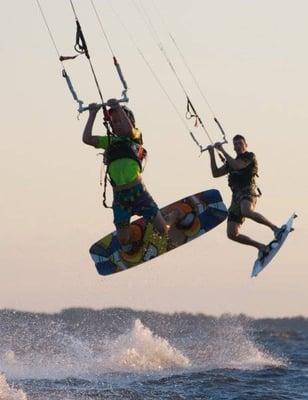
[124,148]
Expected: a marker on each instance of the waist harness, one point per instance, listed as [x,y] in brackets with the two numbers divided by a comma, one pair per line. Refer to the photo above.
[124,148]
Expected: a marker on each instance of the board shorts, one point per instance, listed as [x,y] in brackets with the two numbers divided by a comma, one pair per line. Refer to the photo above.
[133,201]
[234,211]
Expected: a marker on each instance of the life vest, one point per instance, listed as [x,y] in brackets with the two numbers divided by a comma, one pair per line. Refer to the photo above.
[125,148]
[245,177]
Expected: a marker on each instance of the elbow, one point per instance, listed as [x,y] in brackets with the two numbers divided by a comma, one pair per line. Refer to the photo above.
[86,140]
[90,141]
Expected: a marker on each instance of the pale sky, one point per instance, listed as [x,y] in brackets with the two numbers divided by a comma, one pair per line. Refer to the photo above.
[250,59]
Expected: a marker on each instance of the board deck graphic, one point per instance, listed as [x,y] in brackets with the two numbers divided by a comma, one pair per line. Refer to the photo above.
[259,265]
[205,210]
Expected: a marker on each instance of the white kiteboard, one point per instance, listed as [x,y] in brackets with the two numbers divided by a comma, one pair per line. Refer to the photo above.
[259,265]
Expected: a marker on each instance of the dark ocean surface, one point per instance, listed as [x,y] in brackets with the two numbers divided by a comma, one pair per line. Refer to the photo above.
[116,354]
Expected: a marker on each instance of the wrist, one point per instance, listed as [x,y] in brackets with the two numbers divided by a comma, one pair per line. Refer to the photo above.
[92,115]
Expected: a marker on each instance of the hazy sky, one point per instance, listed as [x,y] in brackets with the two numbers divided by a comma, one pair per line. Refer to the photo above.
[249,56]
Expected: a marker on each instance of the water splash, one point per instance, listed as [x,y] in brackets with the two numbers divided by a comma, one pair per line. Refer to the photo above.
[9,393]
[140,349]
[66,356]
[72,357]
[230,344]
[84,346]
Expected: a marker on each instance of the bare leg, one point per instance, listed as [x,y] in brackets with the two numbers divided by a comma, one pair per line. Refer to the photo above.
[233,233]
[160,224]
[123,235]
[174,216]
[247,210]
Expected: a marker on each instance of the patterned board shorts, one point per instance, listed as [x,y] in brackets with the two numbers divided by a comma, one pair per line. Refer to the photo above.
[133,201]
[235,213]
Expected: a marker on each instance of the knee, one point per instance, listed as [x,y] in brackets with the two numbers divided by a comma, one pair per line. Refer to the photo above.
[232,232]
[232,235]
[247,213]
[123,236]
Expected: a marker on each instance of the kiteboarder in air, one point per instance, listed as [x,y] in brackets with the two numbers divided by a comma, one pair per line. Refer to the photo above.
[123,157]
[242,171]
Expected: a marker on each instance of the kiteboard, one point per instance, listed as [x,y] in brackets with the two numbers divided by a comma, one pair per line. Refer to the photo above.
[204,211]
[275,246]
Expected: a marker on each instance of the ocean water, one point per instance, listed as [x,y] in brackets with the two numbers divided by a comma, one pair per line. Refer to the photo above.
[82,354]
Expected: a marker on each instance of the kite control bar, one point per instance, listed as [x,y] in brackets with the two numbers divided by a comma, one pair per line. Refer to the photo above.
[207,148]
[124,99]
[81,107]
[203,149]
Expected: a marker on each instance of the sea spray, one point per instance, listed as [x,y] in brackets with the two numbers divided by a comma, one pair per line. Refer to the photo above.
[66,355]
[229,343]
[9,393]
[140,349]
[81,343]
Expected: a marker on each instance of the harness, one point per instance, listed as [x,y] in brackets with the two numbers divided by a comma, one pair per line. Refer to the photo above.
[122,148]
[244,179]
[125,148]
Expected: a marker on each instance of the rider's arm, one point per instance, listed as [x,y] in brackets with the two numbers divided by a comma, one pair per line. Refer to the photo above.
[87,136]
[235,164]
[216,171]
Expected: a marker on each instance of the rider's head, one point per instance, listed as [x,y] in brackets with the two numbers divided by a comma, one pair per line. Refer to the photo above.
[239,144]
[130,115]
[116,123]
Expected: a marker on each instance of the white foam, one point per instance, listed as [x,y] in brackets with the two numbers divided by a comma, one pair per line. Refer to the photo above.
[76,359]
[137,350]
[9,393]
[140,349]
[231,346]
[226,343]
